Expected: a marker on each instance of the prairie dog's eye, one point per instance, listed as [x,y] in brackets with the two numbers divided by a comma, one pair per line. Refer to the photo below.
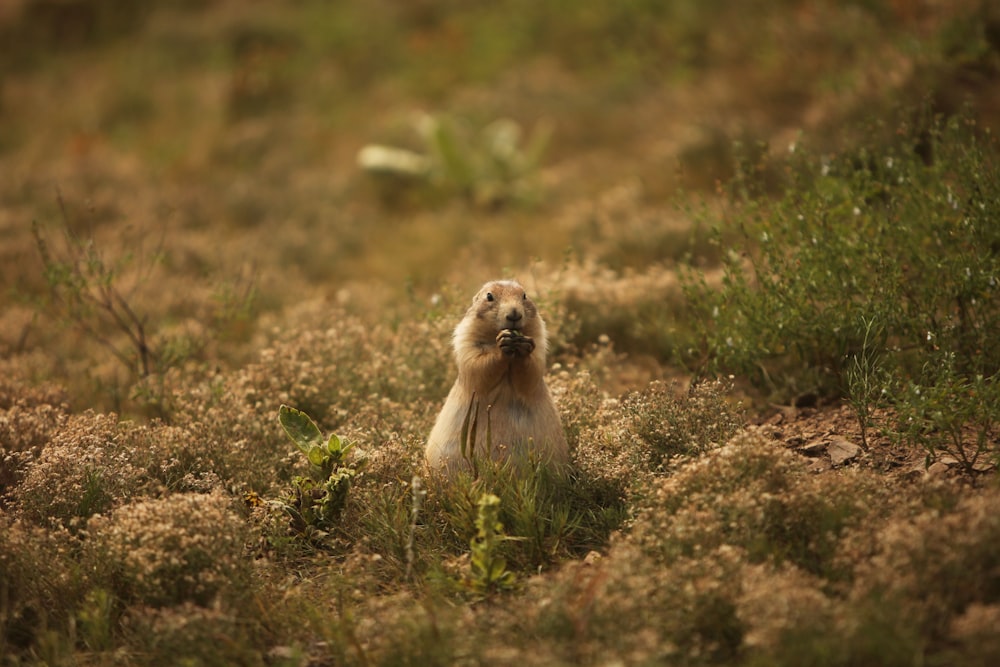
[489,296]
[525,295]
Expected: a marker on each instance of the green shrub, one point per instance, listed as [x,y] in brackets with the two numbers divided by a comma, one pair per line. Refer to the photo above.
[950,414]
[875,276]
[878,235]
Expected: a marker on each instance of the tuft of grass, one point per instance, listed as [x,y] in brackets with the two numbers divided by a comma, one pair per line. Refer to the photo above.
[867,382]
[548,516]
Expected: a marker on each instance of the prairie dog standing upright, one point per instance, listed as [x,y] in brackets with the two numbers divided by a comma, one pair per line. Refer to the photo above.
[500,348]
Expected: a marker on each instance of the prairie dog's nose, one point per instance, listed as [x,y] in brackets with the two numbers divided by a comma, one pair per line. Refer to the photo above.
[514,315]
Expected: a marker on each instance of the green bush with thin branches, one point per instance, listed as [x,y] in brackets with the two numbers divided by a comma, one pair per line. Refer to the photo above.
[872,267]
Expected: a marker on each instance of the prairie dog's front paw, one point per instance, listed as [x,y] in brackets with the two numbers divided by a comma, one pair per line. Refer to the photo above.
[513,343]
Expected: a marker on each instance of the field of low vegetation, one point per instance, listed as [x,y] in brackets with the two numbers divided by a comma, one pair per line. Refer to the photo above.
[235,238]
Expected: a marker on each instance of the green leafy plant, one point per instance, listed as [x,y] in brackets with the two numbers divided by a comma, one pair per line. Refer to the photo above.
[488,571]
[317,501]
[489,167]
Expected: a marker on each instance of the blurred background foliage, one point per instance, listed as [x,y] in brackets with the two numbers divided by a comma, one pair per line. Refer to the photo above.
[223,137]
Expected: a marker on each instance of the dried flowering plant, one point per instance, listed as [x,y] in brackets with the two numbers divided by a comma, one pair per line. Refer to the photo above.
[185,547]
[671,424]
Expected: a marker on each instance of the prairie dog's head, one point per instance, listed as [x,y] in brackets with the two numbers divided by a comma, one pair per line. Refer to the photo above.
[503,304]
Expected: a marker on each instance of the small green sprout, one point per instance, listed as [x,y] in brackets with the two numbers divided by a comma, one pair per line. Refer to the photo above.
[317,501]
[488,570]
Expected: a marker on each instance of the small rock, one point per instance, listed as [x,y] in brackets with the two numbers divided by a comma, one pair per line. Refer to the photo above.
[772,432]
[937,469]
[815,447]
[842,451]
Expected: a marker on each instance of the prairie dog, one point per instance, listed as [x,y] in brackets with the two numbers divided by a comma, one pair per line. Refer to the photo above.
[500,348]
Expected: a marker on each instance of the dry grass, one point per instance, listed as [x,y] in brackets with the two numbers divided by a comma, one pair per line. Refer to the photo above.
[206,150]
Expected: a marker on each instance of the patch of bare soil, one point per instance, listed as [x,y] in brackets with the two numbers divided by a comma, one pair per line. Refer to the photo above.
[830,437]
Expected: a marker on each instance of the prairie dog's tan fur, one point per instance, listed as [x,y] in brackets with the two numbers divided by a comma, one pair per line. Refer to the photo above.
[500,348]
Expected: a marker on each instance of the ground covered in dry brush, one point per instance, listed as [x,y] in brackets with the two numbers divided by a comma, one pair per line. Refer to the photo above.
[683,535]
[764,237]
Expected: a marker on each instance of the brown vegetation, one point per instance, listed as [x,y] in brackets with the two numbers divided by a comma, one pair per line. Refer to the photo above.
[757,476]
